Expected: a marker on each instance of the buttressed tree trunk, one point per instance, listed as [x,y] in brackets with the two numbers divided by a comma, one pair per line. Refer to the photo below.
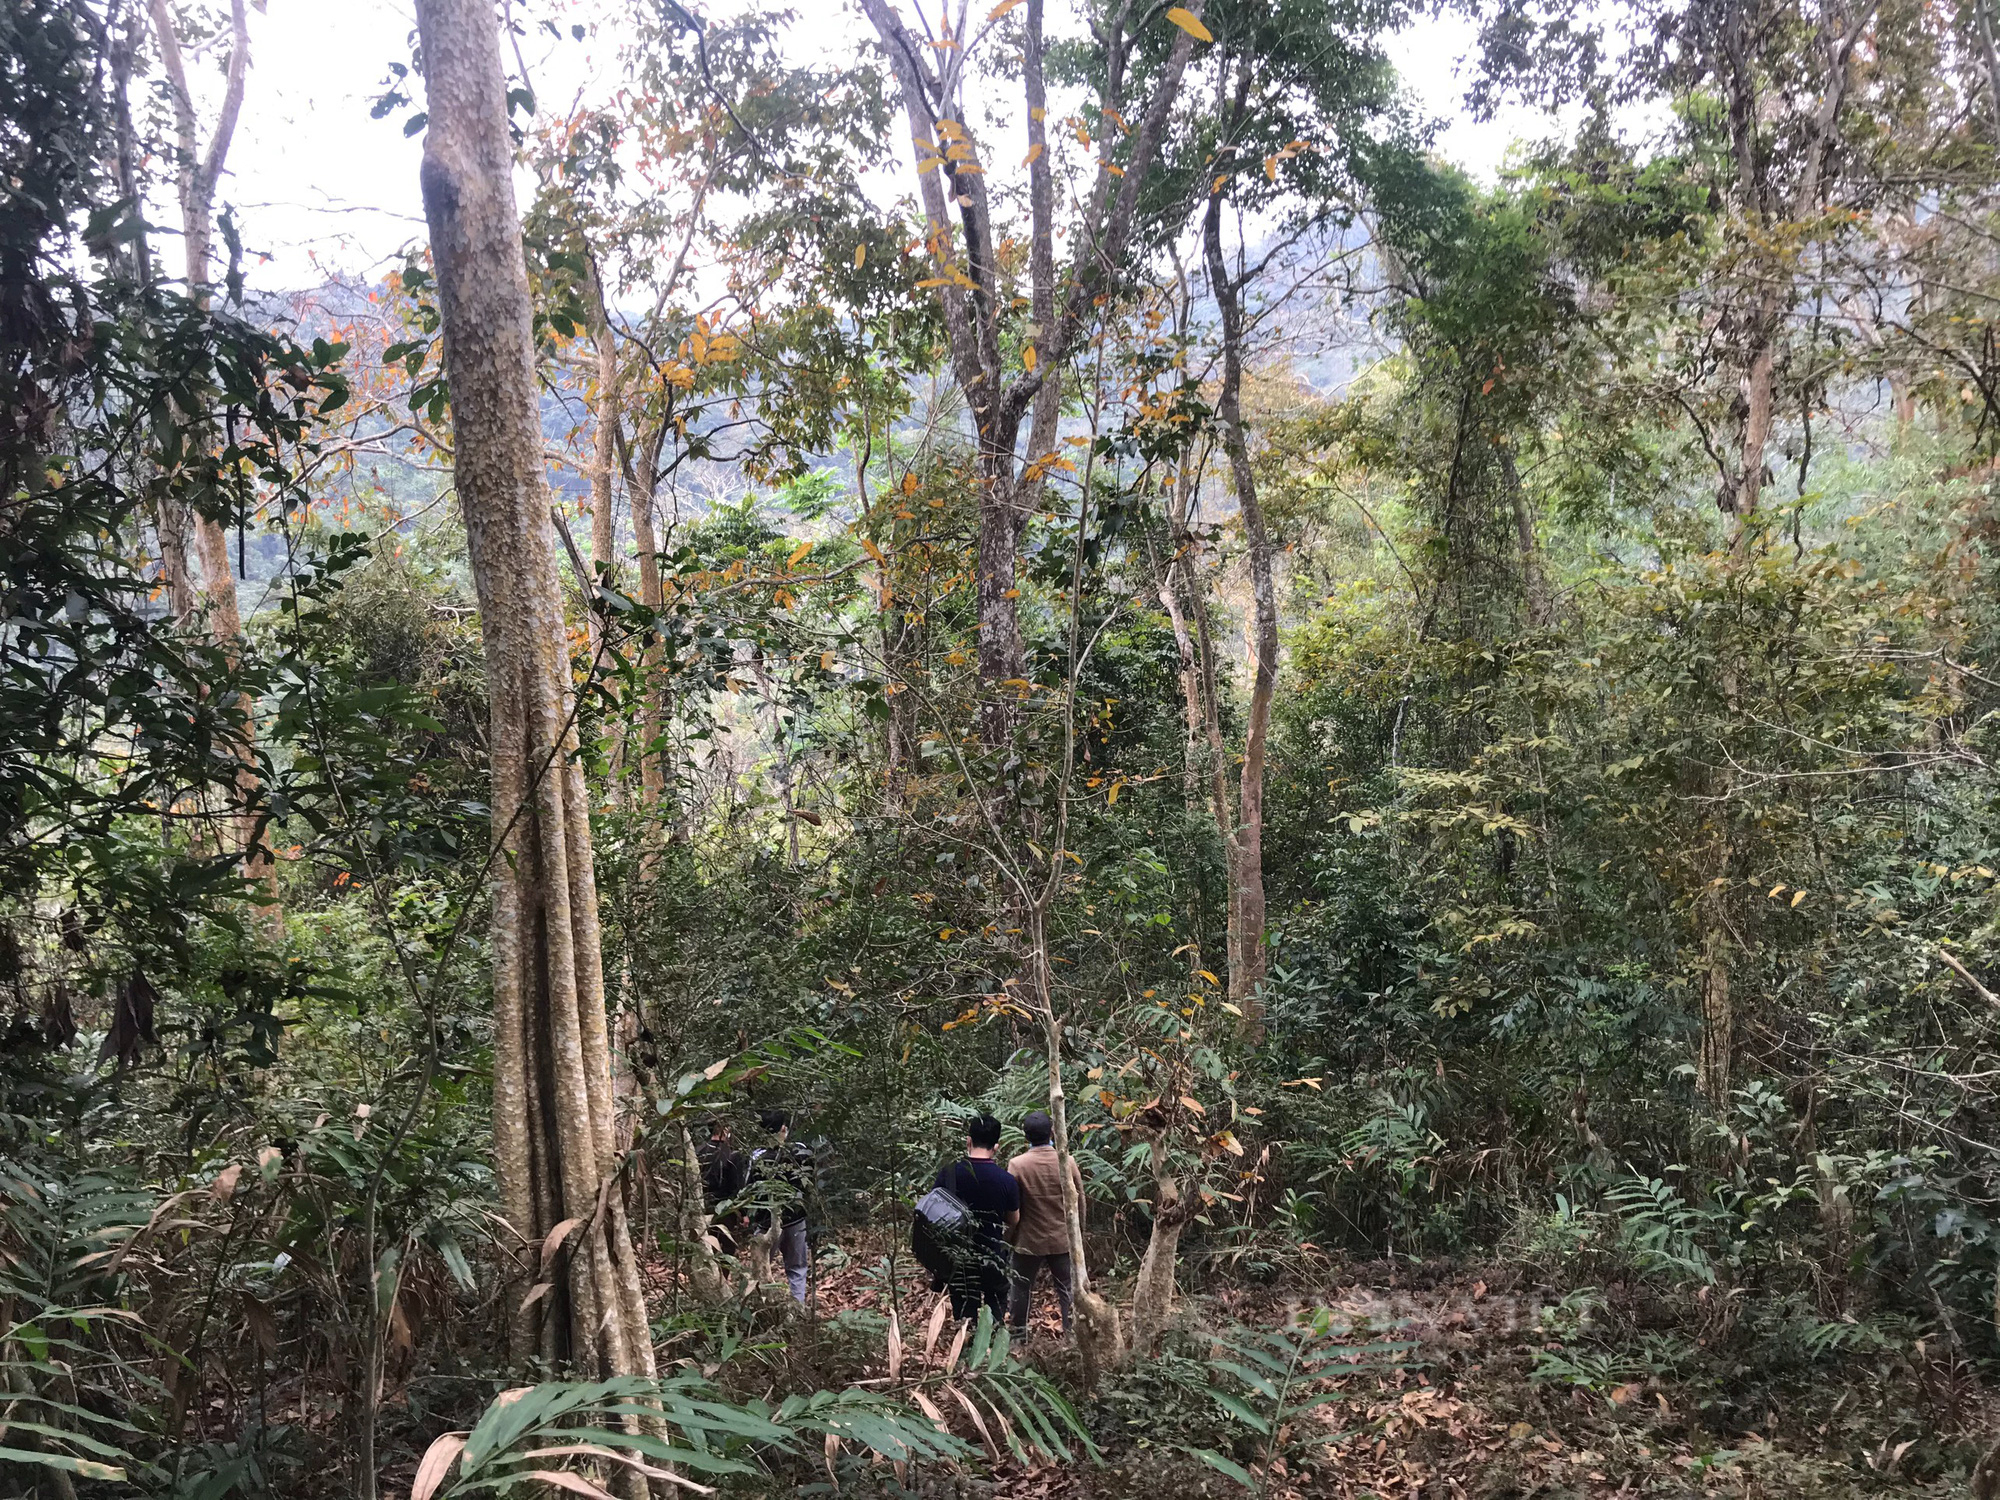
[199,172]
[1247,958]
[553,1125]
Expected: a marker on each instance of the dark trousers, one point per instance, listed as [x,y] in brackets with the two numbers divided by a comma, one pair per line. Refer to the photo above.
[1027,1269]
[980,1280]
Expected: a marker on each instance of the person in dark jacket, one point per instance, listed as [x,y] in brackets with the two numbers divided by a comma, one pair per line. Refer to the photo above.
[990,1191]
[780,1173]
[723,1175]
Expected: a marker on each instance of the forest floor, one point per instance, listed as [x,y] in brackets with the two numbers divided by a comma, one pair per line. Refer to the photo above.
[1458,1414]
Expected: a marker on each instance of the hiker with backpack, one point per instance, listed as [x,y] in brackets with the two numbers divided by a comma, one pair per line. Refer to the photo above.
[961,1224]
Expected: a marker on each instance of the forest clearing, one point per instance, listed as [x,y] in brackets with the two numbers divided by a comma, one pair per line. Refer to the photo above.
[1045,750]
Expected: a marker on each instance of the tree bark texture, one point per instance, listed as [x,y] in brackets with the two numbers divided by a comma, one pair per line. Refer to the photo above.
[1153,1290]
[603,512]
[553,1129]
[1247,955]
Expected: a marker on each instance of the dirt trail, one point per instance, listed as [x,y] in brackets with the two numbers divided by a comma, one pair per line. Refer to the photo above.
[1456,1415]
[1459,1420]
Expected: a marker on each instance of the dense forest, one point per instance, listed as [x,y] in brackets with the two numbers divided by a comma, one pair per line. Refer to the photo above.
[1050,568]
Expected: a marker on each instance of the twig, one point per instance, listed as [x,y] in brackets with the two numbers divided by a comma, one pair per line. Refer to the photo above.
[1964,973]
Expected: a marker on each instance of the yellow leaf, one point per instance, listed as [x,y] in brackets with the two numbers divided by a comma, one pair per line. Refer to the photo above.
[826,661]
[1798,897]
[1208,976]
[1294,1083]
[1112,796]
[1038,114]
[1189,22]
[1235,1010]
[910,484]
[1001,9]
[868,546]
[1777,890]
[1216,186]
[439,1461]
[1034,155]
[860,254]
[576,1484]
[1228,1142]
[799,556]
[1028,357]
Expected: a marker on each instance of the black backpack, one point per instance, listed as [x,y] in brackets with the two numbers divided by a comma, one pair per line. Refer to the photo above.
[944,1231]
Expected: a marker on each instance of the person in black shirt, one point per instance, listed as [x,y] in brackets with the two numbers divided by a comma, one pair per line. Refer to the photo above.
[781,1173]
[723,1175]
[990,1191]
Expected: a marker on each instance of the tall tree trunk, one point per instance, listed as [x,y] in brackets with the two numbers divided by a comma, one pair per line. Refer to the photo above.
[553,1129]
[1715,1060]
[1719,1019]
[1534,581]
[1190,676]
[1760,400]
[198,173]
[603,510]
[1153,1290]
[1100,1339]
[952,188]
[1247,957]
[652,704]
[1174,577]
[1766,204]
[1002,652]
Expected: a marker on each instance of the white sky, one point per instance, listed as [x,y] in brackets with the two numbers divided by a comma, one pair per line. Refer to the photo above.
[321,187]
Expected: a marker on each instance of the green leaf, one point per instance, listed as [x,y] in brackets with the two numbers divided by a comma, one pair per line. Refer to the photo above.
[84,1467]
[1240,1411]
[88,1444]
[1226,1466]
[1248,1376]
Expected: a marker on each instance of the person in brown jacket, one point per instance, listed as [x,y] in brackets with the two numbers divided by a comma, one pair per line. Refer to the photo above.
[1041,1238]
